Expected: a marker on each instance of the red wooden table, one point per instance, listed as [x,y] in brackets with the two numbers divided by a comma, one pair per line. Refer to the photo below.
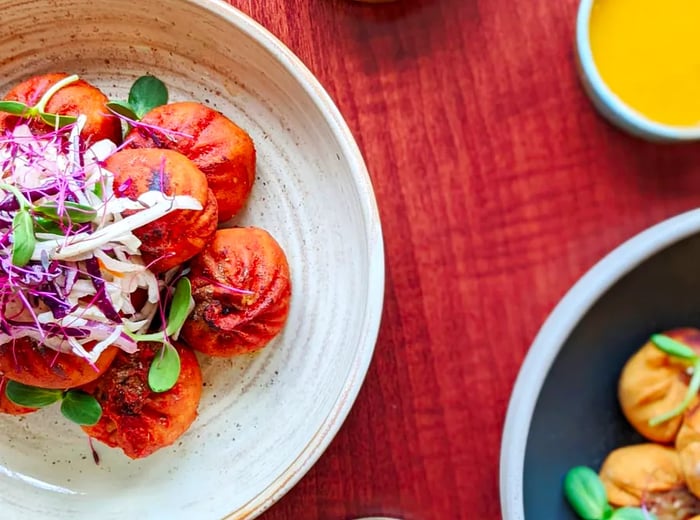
[498,186]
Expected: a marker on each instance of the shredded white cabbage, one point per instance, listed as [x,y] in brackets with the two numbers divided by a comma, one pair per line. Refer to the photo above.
[111,242]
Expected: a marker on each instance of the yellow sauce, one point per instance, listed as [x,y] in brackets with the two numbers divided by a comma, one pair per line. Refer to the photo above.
[648,53]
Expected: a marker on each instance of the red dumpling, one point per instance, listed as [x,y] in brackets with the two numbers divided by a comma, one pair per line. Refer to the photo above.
[27,362]
[79,97]
[136,419]
[241,288]
[222,150]
[177,236]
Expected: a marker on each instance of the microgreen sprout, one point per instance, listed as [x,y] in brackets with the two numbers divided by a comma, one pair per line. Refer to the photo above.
[679,350]
[146,93]
[165,368]
[81,408]
[632,513]
[68,212]
[39,110]
[76,405]
[69,260]
[41,105]
[180,307]
[23,238]
[586,495]
[123,109]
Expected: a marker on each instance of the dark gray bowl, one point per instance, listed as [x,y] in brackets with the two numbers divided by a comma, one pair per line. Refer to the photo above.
[563,411]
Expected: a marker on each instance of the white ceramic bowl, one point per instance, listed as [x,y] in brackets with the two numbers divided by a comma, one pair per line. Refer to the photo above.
[594,286]
[264,419]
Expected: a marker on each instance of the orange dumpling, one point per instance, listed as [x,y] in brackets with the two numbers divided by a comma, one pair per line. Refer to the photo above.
[223,151]
[242,288]
[136,419]
[653,383]
[181,234]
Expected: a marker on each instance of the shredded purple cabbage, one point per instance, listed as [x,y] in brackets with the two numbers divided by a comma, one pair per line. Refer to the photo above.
[101,299]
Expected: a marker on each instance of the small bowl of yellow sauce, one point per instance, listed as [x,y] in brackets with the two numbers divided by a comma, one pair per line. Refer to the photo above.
[640,64]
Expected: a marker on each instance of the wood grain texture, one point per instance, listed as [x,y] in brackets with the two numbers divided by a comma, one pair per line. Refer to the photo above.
[498,186]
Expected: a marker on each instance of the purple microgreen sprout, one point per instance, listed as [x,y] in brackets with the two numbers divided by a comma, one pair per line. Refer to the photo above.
[147,128]
[146,93]
[229,288]
[679,350]
[165,368]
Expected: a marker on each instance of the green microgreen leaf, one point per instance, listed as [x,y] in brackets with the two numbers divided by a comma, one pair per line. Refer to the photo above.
[673,347]
[585,493]
[165,369]
[72,212]
[14,107]
[692,391]
[123,109]
[153,336]
[45,225]
[31,396]
[147,93]
[81,408]
[39,110]
[57,120]
[632,513]
[99,189]
[23,239]
[180,306]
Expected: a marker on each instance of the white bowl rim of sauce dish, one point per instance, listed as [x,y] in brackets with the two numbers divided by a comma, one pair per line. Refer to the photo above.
[554,333]
[609,104]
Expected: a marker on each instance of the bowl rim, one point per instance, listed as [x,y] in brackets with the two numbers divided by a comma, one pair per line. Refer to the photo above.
[376,271]
[556,330]
[619,109]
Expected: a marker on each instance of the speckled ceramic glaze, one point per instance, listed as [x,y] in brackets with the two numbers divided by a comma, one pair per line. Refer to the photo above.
[265,418]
